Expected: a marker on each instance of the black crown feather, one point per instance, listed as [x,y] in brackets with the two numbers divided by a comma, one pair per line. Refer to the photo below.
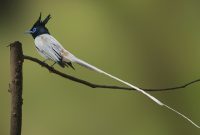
[44,22]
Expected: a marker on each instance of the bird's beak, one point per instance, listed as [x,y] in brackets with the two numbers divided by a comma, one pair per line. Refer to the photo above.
[28,32]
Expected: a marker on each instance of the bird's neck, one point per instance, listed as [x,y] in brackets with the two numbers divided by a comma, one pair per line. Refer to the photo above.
[40,32]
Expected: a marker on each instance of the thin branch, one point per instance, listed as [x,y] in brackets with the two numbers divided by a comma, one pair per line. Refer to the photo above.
[92,85]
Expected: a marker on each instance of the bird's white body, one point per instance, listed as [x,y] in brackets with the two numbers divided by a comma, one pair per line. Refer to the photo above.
[49,48]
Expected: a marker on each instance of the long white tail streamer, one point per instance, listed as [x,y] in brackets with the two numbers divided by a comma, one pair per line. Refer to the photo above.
[87,65]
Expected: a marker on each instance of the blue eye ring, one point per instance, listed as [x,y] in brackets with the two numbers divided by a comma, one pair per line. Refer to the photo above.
[34,30]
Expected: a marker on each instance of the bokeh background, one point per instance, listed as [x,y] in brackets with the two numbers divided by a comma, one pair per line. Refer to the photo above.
[152,44]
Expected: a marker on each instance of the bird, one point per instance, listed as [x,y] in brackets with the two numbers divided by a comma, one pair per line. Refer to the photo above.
[51,49]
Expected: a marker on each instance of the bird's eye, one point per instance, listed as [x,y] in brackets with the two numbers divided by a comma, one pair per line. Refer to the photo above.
[34,30]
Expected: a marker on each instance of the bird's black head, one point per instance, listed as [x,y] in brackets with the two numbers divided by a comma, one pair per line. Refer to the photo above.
[39,27]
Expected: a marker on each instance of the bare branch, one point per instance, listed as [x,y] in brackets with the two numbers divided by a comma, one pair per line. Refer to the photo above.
[92,85]
[15,87]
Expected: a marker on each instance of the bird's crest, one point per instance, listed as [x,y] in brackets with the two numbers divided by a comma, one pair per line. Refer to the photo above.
[40,22]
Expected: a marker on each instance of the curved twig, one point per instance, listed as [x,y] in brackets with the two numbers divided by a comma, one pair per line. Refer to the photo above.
[92,85]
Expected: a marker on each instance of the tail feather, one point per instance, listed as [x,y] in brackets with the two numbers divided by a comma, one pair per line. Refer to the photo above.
[69,64]
[85,64]
[91,67]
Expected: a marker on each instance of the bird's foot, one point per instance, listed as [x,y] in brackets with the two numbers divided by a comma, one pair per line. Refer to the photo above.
[45,61]
[53,64]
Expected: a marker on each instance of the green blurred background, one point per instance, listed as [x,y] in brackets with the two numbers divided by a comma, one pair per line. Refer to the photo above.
[152,44]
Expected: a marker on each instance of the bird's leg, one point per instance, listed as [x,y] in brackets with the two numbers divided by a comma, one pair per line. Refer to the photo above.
[45,61]
[53,64]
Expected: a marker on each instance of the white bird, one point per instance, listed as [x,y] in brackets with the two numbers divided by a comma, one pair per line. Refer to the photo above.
[49,48]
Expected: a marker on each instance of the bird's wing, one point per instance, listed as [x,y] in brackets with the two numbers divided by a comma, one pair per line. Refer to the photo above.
[60,50]
[66,56]
[48,46]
